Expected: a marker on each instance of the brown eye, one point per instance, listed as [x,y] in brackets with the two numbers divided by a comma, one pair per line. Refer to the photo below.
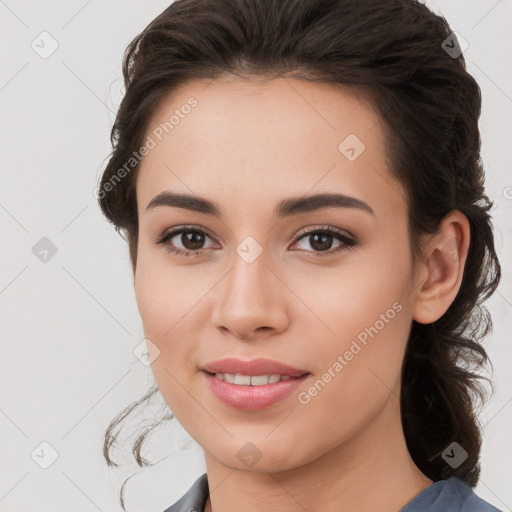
[322,240]
[184,241]
[192,240]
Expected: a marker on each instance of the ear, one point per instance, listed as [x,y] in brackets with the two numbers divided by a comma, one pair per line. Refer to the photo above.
[439,275]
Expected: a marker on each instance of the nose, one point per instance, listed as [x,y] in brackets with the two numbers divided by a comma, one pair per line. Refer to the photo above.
[252,301]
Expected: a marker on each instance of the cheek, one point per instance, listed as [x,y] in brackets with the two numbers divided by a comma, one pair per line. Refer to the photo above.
[368,311]
[359,369]
[161,303]
[371,290]
[165,295]
[169,303]
[152,301]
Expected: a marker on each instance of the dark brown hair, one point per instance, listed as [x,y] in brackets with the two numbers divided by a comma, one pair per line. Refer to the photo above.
[395,51]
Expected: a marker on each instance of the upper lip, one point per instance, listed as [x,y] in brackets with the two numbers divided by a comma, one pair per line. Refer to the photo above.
[254,367]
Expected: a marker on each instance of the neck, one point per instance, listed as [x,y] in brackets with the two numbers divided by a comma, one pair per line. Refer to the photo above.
[372,470]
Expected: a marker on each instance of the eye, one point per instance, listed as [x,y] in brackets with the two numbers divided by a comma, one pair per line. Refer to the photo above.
[189,241]
[321,240]
[190,238]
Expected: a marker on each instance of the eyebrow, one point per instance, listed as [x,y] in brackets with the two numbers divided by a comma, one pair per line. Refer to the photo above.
[284,208]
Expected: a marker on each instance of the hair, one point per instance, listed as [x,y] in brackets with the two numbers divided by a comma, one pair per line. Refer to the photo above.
[391,50]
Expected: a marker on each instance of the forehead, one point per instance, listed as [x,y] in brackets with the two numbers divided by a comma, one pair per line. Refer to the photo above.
[262,140]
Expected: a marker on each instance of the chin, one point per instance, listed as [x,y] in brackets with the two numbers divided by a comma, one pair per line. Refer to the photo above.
[259,457]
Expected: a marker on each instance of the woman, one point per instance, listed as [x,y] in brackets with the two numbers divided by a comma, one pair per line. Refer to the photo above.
[301,188]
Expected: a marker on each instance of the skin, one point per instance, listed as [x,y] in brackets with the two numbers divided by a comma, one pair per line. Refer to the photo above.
[247,145]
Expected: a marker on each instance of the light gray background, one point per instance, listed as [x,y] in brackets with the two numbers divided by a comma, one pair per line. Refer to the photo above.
[70,325]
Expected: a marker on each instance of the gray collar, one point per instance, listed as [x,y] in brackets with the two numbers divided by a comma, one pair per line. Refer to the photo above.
[194,499]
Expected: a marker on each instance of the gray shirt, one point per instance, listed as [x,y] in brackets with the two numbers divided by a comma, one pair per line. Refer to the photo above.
[451,495]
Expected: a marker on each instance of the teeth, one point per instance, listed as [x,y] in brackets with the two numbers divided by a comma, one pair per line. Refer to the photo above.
[248,380]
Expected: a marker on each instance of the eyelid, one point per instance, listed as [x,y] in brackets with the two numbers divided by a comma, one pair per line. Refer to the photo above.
[326,228]
[172,232]
[346,239]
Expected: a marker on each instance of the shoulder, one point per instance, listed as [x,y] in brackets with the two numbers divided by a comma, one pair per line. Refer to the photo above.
[194,499]
[449,495]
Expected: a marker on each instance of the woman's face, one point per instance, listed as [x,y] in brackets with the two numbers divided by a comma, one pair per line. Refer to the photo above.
[263,281]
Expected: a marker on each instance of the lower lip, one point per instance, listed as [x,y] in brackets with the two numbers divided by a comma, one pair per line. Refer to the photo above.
[252,398]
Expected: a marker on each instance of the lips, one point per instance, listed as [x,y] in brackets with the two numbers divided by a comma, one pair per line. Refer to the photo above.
[252,368]
[253,397]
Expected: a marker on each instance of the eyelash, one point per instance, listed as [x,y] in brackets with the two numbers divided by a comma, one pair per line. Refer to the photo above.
[347,241]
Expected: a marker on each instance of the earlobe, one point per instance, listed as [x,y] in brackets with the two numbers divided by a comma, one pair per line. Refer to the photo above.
[442,268]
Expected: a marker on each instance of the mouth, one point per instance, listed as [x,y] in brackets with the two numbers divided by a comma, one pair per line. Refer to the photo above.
[260,367]
[239,379]
[252,392]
